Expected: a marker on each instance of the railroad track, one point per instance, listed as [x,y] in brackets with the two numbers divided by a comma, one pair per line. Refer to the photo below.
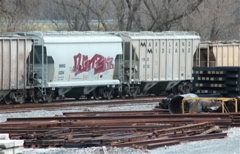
[78,103]
[123,117]
[139,129]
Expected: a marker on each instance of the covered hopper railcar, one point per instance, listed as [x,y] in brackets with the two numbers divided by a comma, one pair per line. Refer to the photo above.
[14,51]
[158,62]
[96,64]
[72,64]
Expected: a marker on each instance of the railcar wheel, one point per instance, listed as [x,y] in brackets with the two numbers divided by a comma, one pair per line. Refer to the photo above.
[28,99]
[49,98]
[124,92]
[76,98]
[19,96]
[122,95]
[184,88]
[180,89]
[96,94]
[36,96]
[114,95]
[175,91]
[187,88]
[35,99]
[107,93]
[21,100]
[88,96]
[8,100]
[133,93]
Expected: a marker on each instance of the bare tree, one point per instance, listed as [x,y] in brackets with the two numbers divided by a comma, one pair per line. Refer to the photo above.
[132,9]
[81,14]
[120,14]
[163,15]
[153,15]
[127,13]
[217,19]
[214,20]
[99,9]
[15,14]
[73,12]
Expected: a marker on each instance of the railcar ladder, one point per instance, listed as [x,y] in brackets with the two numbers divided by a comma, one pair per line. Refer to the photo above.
[44,72]
[31,68]
[44,80]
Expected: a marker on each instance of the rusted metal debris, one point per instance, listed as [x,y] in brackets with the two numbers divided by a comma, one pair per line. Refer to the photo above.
[140,129]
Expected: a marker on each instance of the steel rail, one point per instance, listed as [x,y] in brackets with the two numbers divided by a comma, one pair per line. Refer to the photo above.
[69,103]
[185,138]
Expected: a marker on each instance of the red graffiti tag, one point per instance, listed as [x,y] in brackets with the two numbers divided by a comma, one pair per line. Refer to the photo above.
[98,63]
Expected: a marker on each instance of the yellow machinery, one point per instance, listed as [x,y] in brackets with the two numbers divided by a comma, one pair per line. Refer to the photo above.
[197,100]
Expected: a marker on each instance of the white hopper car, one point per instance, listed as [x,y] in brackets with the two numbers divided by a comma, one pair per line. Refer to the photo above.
[42,66]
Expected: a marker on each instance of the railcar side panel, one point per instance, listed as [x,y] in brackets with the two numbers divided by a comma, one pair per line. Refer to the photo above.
[76,62]
[171,60]
[176,60]
[231,56]
[236,55]
[163,59]
[142,58]
[216,54]
[189,57]
[169,64]
[156,57]
[1,64]
[86,61]
[6,62]
[149,60]
[182,57]
[13,66]
[13,55]
[195,45]
[219,56]
[226,54]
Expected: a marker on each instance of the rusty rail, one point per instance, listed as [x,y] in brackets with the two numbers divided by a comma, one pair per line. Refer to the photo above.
[143,129]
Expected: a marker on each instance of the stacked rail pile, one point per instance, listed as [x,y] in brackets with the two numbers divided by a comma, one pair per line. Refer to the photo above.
[217,80]
[140,129]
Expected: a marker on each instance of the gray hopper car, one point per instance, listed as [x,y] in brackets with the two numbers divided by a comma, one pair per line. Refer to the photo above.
[42,66]
[158,62]
[14,52]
